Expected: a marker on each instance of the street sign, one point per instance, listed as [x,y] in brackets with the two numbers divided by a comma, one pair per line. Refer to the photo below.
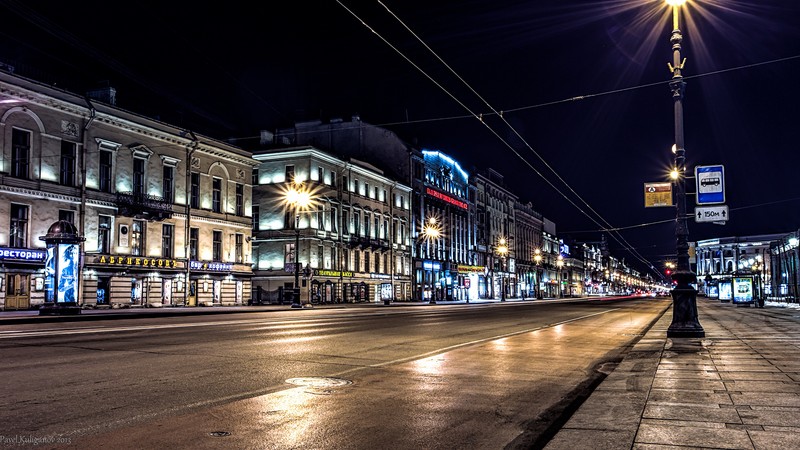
[657,194]
[710,184]
[711,213]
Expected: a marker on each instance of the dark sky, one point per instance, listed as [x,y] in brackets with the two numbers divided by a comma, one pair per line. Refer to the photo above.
[228,70]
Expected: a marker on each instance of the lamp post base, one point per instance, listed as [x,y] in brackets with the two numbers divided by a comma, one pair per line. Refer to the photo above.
[684,309]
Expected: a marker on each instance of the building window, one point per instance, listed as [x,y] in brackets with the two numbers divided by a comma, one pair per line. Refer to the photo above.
[367,229]
[356,260]
[355,187]
[334,218]
[239,199]
[138,176]
[167,232]
[217,245]
[333,179]
[239,248]
[345,222]
[20,153]
[254,178]
[377,228]
[366,189]
[18,235]
[357,223]
[288,253]
[216,195]
[67,215]
[289,174]
[138,230]
[168,184]
[194,239]
[68,163]
[105,171]
[385,232]
[104,234]
[320,175]
[195,196]
[256,218]
[335,259]
[367,268]
[345,259]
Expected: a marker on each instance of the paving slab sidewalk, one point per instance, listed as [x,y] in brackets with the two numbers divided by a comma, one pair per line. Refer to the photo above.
[736,388]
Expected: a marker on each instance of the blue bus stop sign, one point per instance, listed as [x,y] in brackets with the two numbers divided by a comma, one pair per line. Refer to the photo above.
[710,184]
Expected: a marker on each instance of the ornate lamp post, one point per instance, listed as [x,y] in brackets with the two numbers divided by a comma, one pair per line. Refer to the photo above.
[299,199]
[684,296]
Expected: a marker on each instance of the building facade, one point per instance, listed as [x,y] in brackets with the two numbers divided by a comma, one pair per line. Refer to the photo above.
[352,243]
[164,214]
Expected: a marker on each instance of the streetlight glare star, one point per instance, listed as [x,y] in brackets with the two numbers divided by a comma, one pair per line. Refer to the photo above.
[676,2]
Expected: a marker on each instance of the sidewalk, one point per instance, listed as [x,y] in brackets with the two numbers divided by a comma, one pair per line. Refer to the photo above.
[737,388]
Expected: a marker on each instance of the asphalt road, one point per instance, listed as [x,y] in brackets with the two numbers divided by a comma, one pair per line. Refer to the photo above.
[455,376]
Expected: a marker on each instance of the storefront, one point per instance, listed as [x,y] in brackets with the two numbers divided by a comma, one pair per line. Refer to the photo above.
[334,286]
[123,280]
[22,278]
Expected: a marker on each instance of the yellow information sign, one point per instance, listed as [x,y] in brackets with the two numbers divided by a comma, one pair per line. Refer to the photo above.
[657,194]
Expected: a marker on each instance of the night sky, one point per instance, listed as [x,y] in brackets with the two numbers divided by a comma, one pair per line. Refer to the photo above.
[587,115]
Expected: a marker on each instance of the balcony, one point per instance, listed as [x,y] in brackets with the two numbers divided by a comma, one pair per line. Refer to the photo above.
[143,206]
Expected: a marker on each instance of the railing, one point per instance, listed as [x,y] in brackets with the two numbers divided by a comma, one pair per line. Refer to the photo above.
[143,206]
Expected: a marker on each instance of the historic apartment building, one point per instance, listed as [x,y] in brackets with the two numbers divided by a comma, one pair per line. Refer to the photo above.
[349,241]
[164,214]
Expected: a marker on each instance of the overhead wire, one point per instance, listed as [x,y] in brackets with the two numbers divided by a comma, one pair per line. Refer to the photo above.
[615,234]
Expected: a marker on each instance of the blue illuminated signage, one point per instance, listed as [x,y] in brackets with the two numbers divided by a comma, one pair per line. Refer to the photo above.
[215,266]
[22,253]
[431,265]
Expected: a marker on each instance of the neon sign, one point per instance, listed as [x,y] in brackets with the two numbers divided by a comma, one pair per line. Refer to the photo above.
[216,266]
[446,198]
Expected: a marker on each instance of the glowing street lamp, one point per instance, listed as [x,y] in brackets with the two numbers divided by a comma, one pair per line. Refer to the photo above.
[684,296]
[502,250]
[537,258]
[299,198]
[430,231]
[560,265]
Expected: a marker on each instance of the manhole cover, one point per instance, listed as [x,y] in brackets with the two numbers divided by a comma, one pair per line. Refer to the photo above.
[219,433]
[319,382]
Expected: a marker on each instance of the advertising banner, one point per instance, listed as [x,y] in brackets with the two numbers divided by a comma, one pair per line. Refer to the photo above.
[67,273]
[742,290]
[725,290]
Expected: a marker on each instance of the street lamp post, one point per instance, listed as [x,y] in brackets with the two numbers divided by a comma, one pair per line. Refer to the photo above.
[299,198]
[502,250]
[537,257]
[560,265]
[684,296]
[431,231]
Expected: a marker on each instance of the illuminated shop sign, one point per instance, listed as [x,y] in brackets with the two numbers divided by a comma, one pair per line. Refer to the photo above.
[470,269]
[446,198]
[381,276]
[431,265]
[215,266]
[21,253]
[332,273]
[138,261]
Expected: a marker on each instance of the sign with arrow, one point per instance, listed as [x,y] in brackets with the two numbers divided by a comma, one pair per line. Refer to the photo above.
[711,213]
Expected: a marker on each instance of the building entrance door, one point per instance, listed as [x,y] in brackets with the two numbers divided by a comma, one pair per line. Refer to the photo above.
[18,294]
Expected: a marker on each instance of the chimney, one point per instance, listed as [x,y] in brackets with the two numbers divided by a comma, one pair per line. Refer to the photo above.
[106,95]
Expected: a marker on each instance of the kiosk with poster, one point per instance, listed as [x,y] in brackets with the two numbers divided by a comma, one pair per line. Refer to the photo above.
[724,290]
[61,269]
[742,290]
